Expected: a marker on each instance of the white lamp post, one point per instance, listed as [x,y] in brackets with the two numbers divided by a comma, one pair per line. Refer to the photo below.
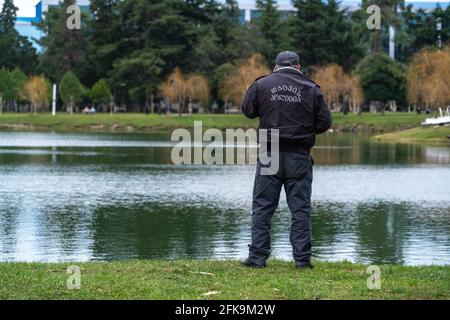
[54,101]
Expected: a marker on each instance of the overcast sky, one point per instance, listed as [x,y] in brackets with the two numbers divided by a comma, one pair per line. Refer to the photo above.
[26,7]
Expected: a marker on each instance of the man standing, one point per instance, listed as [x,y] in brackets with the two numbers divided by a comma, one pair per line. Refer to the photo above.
[291,103]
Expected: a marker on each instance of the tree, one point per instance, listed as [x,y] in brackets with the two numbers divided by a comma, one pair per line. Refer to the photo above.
[104,37]
[382,79]
[16,50]
[64,49]
[36,91]
[199,90]
[11,85]
[339,88]
[245,41]
[5,86]
[418,31]
[180,89]
[355,93]
[272,27]
[140,72]
[427,78]
[18,78]
[322,33]
[100,93]
[207,52]
[235,83]
[71,90]
[224,23]
[8,16]
[153,36]
[444,17]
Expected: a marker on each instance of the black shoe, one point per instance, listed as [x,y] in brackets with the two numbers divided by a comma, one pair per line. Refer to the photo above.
[304,266]
[250,264]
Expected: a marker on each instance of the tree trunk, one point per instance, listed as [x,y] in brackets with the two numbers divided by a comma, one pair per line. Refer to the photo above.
[152,104]
[189,105]
[146,100]
[376,45]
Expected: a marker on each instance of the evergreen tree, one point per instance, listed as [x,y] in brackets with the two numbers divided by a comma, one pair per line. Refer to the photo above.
[207,51]
[419,29]
[156,37]
[273,29]
[8,16]
[226,20]
[245,41]
[64,49]
[105,33]
[322,33]
[149,32]
[445,21]
[16,50]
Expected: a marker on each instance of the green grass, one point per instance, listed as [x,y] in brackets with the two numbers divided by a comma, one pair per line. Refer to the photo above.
[417,135]
[119,122]
[226,279]
[141,123]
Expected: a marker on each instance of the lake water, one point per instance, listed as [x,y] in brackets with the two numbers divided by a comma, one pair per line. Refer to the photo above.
[82,197]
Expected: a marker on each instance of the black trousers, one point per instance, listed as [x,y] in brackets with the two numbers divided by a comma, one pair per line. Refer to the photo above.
[296,174]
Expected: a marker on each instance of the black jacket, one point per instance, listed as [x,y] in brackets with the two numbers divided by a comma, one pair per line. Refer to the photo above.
[288,101]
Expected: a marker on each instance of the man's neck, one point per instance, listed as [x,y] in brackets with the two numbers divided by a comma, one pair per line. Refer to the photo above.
[290,68]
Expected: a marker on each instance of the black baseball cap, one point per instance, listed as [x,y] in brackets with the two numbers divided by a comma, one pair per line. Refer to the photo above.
[287,58]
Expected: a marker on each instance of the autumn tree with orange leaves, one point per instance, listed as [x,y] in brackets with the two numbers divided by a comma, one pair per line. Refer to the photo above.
[181,89]
[37,91]
[428,79]
[339,87]
[234,84]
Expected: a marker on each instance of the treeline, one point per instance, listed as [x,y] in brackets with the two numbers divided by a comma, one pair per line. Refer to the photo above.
[184,56]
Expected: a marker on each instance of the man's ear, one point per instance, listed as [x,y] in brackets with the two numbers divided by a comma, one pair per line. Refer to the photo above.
[298,66]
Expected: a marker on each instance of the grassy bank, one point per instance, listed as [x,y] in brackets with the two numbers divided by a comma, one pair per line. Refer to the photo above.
[141,123]
[220,280]
[417,135]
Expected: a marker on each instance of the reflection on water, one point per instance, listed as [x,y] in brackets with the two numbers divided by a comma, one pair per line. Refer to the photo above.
[104,197]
